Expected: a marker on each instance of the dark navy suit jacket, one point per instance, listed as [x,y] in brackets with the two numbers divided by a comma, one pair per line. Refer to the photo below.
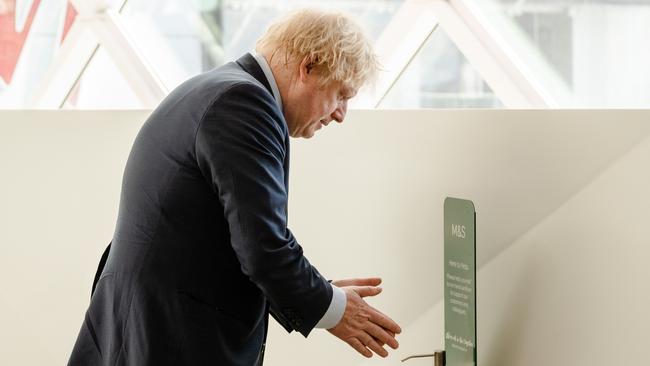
[201,249]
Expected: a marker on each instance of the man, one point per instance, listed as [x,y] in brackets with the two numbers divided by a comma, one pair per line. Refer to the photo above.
[201,252]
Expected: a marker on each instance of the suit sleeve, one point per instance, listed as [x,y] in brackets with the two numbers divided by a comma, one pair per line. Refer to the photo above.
[240,149]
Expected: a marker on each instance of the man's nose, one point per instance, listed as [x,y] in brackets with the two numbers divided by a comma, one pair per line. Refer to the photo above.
[340,111]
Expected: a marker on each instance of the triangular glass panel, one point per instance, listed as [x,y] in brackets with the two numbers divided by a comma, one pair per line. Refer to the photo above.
[102,86]
[439,76]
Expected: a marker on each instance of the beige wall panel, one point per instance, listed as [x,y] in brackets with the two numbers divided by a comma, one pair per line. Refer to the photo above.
[572,290]
[60,187]
[366,199]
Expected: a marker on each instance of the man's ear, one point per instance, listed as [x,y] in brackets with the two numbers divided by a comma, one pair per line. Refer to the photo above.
[306,66]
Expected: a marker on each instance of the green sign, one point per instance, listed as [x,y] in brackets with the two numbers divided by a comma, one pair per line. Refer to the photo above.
[460,282]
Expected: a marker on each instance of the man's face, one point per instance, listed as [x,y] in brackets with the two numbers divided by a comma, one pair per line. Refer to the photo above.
[310,106]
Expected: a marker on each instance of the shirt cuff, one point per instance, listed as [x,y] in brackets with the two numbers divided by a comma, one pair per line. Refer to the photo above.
[335,311]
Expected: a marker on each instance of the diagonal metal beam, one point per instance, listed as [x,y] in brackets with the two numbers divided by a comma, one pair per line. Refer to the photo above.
[401,40]
[112,35]
[71,59]
[68,65]
[97,24]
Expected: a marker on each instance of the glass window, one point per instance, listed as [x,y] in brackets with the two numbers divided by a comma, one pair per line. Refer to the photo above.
[439,76]
[30,34]
[102,86]
[181,39]
[597,47]
[587,54]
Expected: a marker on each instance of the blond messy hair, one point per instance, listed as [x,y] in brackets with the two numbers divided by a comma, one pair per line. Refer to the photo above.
[334,44]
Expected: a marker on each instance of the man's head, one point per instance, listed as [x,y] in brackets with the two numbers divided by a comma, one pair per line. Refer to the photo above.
[319,60]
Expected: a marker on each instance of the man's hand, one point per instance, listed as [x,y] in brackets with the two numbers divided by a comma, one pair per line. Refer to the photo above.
[363,327]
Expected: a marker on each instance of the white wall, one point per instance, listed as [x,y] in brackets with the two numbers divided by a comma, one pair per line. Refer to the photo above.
[573,290]
[60,183]
[551,189]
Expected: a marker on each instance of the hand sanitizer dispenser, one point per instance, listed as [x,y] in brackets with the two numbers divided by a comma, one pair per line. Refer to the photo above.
[438,358]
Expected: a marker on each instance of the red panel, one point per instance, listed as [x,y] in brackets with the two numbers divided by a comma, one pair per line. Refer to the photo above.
[70,15]
[12,42]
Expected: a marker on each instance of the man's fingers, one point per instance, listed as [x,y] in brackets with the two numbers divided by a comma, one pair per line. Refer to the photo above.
[382,342]
[359,347]
[370,281]
[374,346]
[384,321]
[364,291]
[382,336]
[364,328]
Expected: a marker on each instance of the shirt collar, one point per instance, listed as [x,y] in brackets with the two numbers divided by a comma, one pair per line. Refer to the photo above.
[264,65]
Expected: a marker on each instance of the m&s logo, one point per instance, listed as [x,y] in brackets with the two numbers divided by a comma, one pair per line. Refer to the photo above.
[458,231]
